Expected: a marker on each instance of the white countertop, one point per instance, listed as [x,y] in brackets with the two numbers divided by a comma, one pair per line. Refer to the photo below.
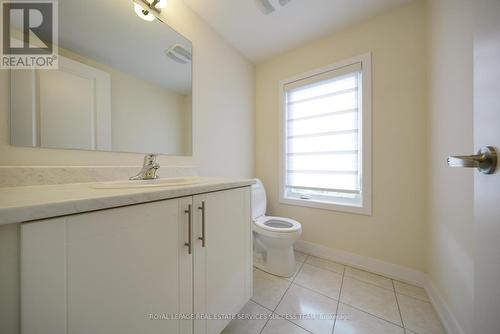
[21,204]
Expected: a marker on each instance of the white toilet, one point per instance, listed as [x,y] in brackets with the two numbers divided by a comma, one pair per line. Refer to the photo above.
[273,237]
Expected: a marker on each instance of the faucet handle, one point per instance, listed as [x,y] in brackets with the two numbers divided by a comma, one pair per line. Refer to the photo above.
[149,159]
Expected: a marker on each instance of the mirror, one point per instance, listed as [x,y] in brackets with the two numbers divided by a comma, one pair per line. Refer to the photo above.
[123,85]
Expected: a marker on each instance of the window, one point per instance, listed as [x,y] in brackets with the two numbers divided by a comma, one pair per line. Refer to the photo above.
[326,131]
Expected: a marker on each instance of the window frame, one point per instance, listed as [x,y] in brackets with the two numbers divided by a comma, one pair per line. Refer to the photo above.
[365,143]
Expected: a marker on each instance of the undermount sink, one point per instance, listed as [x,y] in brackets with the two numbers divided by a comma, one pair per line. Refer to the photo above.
[167,182]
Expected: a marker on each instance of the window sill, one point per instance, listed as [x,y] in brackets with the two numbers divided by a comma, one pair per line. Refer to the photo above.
[359,210]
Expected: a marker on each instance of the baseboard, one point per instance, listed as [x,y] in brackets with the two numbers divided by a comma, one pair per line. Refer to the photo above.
[447,318]
[362,262]
[390,270]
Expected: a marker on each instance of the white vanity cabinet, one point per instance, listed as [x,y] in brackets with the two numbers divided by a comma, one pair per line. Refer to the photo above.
[223,266]
[131,270]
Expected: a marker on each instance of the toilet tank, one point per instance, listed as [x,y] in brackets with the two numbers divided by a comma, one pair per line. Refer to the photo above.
[259,200]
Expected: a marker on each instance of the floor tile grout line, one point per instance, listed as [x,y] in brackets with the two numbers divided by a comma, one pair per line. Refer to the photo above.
[344,275]
[399,309]
[267,273]
[270,315]
[350,305]
[362,269]
[274,311]
[328,270]
[293,282]
[350,266]
[345,270]
[299,270]
[305,258]
[407,294]
[333,271]
[293,323]
[338,302]
[267,308]
[322,268]
[412,297]
[370,272]
[315,291]
[290,282]
[267,321]
[371,314]
[283,296]
[278,315]
[372,284]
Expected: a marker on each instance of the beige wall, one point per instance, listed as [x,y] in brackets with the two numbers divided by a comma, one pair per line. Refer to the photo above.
[450,262]
[396,231]
[417,49]
[147,117]
[223,128]
[223,103]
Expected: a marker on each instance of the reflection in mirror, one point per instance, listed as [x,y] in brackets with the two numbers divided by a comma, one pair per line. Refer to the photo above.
[123,85]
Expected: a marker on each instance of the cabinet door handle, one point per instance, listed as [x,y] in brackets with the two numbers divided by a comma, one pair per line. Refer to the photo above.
[190,227]
[203,237]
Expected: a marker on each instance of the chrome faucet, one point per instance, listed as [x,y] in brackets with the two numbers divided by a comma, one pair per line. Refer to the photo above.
[149,169]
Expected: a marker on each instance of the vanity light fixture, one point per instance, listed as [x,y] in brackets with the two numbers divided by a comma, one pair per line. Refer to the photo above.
[148,10]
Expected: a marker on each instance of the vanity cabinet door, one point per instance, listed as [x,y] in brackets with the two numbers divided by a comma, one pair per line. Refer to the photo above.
[43,277]
[124,270]
[223,266]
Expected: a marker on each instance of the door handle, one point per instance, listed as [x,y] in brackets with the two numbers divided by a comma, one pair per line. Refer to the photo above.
[485,160]
[203,237]
[189,244]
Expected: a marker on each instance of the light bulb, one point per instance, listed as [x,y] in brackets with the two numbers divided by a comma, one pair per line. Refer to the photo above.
[142,13]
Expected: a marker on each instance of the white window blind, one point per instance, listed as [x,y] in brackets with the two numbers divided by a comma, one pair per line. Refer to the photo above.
[323,158]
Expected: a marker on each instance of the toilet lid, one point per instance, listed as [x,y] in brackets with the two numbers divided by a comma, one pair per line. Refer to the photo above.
[278,224]
[259,200]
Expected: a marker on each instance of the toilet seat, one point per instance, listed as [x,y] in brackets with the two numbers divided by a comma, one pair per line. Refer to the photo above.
[278,227]
[273,237]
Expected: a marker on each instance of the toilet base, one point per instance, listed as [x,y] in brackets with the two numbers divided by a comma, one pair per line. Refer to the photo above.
[279,262]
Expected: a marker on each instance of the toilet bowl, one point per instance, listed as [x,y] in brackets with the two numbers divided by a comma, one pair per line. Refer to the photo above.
[273,237]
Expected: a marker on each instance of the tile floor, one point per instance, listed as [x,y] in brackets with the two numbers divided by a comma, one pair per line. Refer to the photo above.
[334,299]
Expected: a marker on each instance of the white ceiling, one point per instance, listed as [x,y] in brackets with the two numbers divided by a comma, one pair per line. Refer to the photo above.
[110,33]
[260,36]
